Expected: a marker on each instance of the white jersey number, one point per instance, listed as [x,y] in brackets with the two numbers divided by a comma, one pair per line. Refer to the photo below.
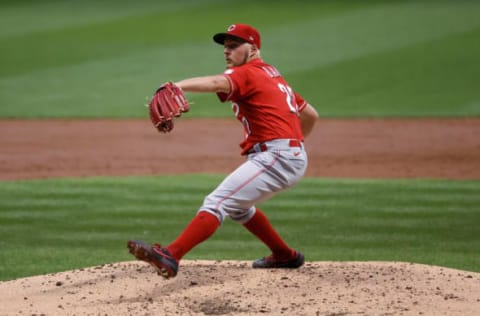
[290,97]
[246,125]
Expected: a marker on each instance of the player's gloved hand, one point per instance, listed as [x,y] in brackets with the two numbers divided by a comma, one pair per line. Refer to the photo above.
[168,102]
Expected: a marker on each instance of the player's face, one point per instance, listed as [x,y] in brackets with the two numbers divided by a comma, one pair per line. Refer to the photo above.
[236,52]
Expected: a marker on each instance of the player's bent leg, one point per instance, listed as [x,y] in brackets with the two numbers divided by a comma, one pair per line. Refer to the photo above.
[257,180]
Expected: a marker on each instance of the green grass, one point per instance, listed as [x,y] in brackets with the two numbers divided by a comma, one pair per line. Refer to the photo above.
[60,224]
[438,78]
[348,58]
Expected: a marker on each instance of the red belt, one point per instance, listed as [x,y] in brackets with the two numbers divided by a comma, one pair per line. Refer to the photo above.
[291,143]
[295,143]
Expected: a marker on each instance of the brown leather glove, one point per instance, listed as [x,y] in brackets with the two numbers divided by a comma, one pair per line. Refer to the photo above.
[168,102]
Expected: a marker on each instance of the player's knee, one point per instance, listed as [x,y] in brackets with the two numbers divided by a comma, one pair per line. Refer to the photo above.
[240,216]
[238,210]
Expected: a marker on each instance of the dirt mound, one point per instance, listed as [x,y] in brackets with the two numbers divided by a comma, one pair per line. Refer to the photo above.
[233,288]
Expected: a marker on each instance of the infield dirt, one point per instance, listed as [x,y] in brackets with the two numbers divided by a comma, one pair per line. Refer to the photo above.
[393,148]
[433,148]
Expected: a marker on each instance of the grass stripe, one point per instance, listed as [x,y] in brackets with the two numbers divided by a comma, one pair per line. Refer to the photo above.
[123,36]
[41,16]
[95,67]
[368,30]
[72,223]
[415,79]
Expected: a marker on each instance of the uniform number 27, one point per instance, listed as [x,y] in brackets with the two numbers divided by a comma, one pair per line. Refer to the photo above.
[290,97]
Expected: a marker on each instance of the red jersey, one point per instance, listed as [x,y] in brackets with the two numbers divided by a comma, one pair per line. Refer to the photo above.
[264,103]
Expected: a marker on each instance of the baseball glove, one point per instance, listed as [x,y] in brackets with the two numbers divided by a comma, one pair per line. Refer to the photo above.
[168,102]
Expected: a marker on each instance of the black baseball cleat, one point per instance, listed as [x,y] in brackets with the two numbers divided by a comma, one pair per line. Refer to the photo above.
[271,262]
[160,258]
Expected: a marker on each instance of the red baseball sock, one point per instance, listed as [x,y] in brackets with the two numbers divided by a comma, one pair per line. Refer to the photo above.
[260,226]
[200,228]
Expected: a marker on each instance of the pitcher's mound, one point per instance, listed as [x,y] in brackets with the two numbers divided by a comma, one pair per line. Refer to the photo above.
[233,288]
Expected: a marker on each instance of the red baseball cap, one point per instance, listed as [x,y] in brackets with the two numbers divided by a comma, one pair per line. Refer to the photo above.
[244,32]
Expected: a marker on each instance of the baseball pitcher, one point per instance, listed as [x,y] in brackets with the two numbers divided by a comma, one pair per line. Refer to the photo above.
[275,120]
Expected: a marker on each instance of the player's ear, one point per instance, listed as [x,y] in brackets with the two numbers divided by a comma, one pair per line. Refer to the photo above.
[253,50]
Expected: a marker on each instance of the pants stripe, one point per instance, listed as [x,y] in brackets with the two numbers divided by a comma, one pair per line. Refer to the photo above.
[241,186]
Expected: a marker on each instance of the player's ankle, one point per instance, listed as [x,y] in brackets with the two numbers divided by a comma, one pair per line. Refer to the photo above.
[284,254]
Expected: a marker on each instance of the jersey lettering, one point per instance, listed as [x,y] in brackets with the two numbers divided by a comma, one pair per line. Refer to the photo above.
[271,71]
